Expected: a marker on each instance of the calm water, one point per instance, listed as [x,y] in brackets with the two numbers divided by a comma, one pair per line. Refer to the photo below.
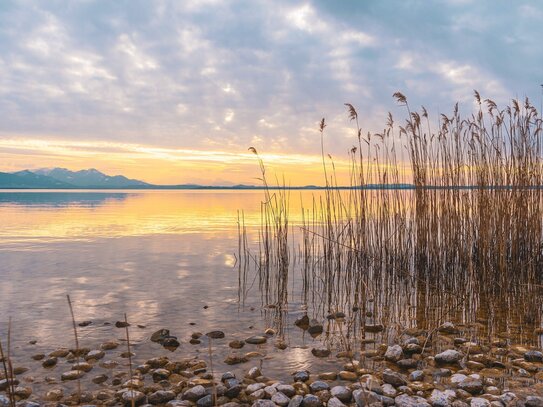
[169,260]
[166,258]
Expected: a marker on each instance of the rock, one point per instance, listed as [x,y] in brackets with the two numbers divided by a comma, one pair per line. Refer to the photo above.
[301,376]
[185,403]
[171,343]
[160,374]
[109,364]
[310,400]
[388,390]
[206,401]
[254,387]
[320,352]
[335,402]
[102,378]
[365,398]
[416,376]
[263,403]
[95,354]
[315,329]
[85,323]
[195,393]
[160,335]
[374,328]
[109,345]
[23,392]
[38,356]
[236,344]
[49,362]
[479,402]
[533,356]
[161,397]
[253,373]
[472,386]
[287,390]
[233,391]
[296,401]
[440,398]
[235,359]
[4,401]
[405,400]
[82,366]
[121,324]
[447,357]
[534,401]
[270,391]
[328,376]
[256,340]
[215,334]
[458,378]
[318,386]
[448,328]
[280,344]
[394,378]
[133,396]
[393,353]
[54,395]
[72,375]
[59,353]
[280,399]
[407,364]
[4,383]
[302,322]
[342,393]
[346,375]
[412,348]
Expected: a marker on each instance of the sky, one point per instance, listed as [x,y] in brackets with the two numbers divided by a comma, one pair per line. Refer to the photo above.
[176,91]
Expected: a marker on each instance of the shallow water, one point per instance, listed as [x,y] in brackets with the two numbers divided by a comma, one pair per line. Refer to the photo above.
[166,258]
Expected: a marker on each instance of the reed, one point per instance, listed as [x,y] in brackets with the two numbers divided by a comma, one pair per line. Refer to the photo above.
[434,225]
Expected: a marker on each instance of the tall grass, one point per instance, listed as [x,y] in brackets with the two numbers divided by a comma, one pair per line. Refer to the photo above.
[467,233]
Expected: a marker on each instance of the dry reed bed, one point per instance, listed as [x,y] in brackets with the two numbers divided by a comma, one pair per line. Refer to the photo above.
[465,242]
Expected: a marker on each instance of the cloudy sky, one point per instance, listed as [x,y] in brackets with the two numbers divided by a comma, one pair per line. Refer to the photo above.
[176,91]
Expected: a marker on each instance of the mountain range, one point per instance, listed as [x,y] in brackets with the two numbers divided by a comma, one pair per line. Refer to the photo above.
[62,178]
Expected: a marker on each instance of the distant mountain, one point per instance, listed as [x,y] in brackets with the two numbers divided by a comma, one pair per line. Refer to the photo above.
[28,179]
[90,178]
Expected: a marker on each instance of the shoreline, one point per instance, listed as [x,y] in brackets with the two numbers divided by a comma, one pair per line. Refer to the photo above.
[438,368]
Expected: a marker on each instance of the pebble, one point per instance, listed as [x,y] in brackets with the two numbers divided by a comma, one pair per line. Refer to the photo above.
[440,398]
[287,390]
[393,353]
[365,398]
[256,340]
[109,345]
[71,375]
[102,378]
[320,352]
[215,334]
[394,378]
[195,393]
[533,356]
[342,393]
[349,376]
[236,344]
[318,386]
[253,373]
[296,401]
[161,397]
[263,403]
[301,376]
[235,359]
[280,399]
[137,397]
[479,402]
[335,402]
[49,362]
[95,354]
[405,400]
[310,400]
[448,356]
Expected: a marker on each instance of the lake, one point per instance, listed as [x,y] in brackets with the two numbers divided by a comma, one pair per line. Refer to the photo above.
[170,259]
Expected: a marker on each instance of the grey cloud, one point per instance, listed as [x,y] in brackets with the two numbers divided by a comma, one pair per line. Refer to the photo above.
[197,74]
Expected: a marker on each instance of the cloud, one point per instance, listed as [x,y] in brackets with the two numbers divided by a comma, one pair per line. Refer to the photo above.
[226,74]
